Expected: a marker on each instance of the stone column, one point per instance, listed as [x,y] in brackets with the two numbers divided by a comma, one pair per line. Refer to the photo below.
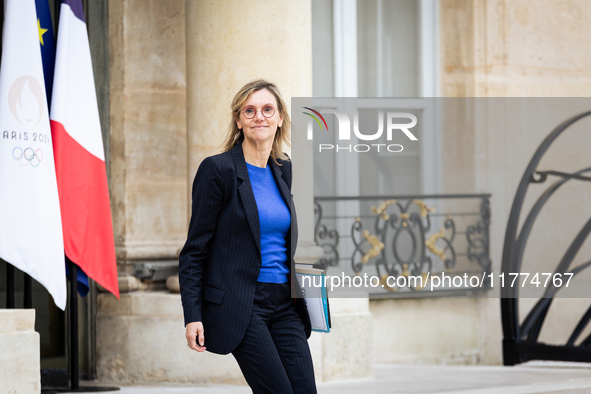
[147,129]
[226,48]
[230,43]
[19,355]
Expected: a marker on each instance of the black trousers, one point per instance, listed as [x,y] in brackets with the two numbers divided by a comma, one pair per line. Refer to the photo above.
[274,355]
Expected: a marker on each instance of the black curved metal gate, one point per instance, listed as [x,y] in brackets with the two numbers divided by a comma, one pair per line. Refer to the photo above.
[520,341]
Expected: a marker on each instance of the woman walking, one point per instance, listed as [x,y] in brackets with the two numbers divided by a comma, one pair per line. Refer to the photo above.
[236,270]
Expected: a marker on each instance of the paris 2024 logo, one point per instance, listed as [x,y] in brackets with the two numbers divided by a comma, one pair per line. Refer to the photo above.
[26,101]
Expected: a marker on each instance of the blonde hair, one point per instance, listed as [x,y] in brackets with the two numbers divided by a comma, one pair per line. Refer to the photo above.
[282,136]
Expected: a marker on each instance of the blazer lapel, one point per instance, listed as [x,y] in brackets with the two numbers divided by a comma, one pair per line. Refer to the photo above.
[246,194]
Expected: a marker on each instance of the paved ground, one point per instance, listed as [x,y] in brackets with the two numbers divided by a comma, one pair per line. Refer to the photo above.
[529,378]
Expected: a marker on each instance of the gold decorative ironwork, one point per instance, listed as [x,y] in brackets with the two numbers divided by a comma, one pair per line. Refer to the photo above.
[430,243]
[381,209]
[385,285]
[405,271]
[376,246]
[424,281]
[405,216]
[425,210]
[410,211]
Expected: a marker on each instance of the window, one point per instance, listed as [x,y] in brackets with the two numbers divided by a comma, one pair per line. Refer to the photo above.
[378,48]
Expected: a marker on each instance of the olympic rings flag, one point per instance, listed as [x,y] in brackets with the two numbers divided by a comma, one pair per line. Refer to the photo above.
[79,154]
[30,222]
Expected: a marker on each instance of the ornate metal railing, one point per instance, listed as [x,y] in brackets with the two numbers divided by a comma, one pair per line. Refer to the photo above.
[412,235]
[520,340]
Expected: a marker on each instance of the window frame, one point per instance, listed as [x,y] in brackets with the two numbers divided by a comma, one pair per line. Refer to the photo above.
[345,84]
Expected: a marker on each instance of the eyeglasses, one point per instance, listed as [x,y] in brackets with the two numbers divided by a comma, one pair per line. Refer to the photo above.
[250,111]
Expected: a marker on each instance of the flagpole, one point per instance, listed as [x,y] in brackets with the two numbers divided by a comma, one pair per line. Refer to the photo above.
[28,301]
[9,286]
[74,366]
[74,350]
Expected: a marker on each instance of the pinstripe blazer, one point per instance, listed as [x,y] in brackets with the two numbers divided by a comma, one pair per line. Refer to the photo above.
[220,262]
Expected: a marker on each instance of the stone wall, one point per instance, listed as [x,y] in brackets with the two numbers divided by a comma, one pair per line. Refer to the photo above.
[19,352]
[426,331]
[161,130]
[174,68]
[514,48]
[142,340]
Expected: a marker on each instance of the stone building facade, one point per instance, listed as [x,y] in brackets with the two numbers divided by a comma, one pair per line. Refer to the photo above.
[173,67]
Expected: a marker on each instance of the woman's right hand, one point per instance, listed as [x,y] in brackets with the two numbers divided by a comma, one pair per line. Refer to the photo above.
[193,333]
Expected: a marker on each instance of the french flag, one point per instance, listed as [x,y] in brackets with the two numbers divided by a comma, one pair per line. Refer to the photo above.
[79,154]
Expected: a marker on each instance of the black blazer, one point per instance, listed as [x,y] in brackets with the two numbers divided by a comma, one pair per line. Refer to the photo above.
[220,262]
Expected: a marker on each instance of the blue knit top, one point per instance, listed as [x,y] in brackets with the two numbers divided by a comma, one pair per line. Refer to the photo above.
[274,221]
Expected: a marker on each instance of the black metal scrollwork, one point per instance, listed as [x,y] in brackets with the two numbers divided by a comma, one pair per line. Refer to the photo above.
[327,239]
[520,339]
[402,242]
[477,236]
